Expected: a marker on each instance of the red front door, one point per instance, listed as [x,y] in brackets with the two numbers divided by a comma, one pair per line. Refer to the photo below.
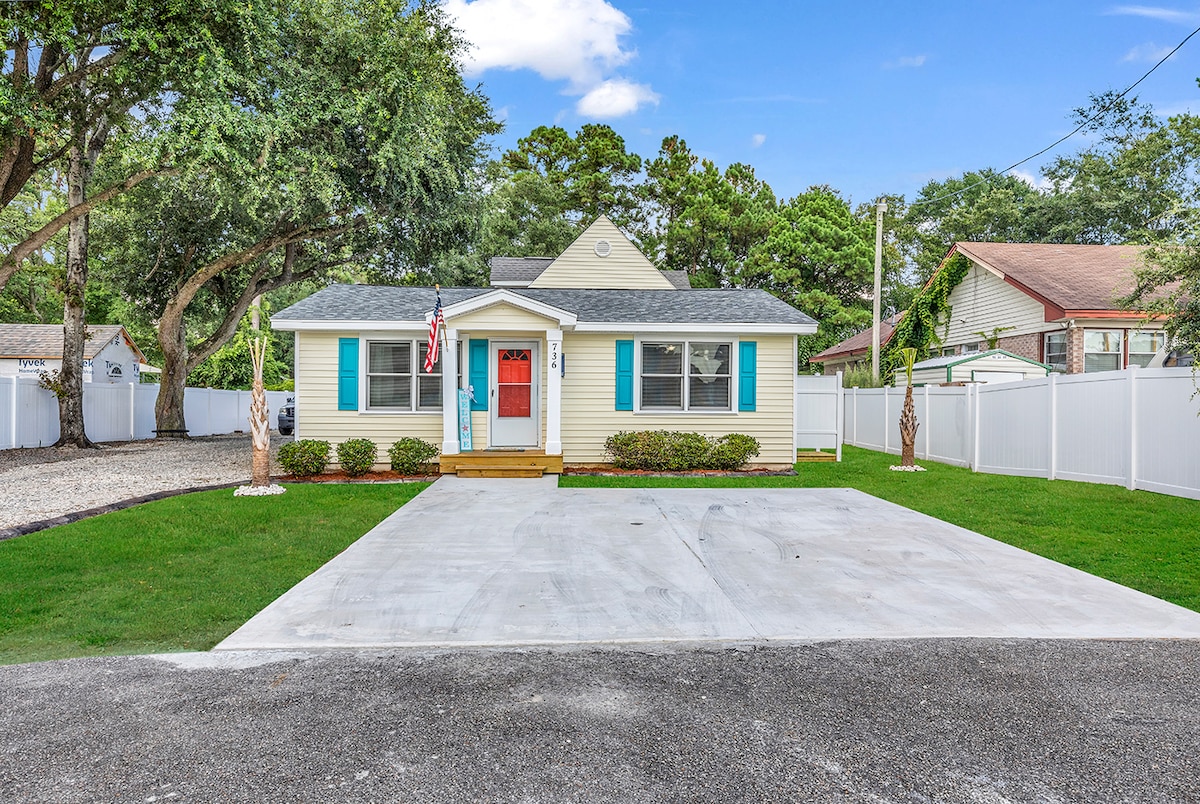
[514,383]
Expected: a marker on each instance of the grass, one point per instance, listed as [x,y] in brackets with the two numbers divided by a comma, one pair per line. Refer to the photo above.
[1146,541]
[176,574]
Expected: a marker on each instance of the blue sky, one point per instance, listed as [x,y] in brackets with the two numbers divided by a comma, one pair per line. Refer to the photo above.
[867,97]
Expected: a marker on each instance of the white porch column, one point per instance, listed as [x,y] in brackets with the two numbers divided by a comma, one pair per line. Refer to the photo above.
[450,393]
[554,368]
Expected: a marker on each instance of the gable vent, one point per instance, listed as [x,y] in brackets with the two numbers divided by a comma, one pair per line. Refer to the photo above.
[603,248]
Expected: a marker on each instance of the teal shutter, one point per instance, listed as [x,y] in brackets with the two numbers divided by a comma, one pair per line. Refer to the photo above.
[347,373]
[624,375]
[477,375]
[747,375]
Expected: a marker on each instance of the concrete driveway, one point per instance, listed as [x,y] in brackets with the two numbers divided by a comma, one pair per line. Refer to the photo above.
[511,562]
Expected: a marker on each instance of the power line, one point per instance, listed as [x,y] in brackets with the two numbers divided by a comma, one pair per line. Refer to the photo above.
[1063,139]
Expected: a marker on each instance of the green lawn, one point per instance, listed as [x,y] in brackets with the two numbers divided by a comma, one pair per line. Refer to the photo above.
[1145,541]
[177,574]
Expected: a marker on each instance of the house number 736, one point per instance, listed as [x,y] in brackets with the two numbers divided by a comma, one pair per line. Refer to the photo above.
[554,355]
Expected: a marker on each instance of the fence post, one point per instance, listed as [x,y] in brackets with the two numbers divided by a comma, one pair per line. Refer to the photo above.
[1052,469]
[13,418]
[855,439]
[132,411]
[973,394]
[928,420]
[1132,372]
[841,415]
[887,417]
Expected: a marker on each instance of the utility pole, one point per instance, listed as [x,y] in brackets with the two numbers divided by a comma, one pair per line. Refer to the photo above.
[880,208]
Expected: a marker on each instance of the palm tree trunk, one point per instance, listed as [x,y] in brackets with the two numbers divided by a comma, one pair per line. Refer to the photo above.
[908,429]
[260,424]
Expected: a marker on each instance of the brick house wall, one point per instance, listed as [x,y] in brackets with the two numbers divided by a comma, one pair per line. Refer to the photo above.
[1029,346]
[1075,351]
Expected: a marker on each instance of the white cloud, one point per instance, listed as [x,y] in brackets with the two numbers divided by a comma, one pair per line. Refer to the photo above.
[1147,51]
[906,62]
[1036,182]
[758,139]
[577,41]
[1157,13]
[615,98]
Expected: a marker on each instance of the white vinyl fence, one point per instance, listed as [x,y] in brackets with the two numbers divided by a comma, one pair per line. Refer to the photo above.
[119,412]
[819,411]
[1138,428]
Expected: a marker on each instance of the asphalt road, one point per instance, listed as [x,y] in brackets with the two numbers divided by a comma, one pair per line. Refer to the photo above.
[955,720]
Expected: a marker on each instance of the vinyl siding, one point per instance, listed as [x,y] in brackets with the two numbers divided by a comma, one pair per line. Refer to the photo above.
[589,398]
[316,403]
[502,317]
[580,267]
[984,301]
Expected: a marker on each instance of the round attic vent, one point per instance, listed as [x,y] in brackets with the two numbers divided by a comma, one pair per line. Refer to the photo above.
[603,248]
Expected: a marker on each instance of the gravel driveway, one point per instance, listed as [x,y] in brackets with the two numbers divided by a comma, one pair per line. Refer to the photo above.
[949,721]
[47,482]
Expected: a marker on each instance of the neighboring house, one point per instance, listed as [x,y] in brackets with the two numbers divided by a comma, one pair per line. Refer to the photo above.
[1053,304]
[109,354]
[994,366]
[855,351]
[557,355]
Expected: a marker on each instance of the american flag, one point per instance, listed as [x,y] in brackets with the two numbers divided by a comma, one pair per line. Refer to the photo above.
[439,321]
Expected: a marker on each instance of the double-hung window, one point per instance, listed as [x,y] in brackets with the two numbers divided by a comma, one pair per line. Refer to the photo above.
[1102,349]
[1056,351]
[396,377]
[1143,345]
[686,375]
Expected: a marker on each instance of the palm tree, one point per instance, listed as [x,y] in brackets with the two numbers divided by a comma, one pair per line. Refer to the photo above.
[260,424]
[908,414]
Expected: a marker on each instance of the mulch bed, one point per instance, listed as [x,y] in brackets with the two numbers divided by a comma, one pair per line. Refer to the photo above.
[604,472]
[387,476]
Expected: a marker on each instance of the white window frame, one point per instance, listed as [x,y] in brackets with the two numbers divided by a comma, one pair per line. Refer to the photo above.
[687,341]
[1120,352]
[1066,338]
[1157,334]
[416,371]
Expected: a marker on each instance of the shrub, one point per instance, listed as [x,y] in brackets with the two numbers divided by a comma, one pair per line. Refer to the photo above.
[304,457]
[668,451]
[412,456]
[731,452]
[356,456]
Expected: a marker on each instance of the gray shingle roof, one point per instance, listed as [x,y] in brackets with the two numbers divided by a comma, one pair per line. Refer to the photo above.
[389,303]
[677,278]
[523,270]
[517,269]
[46,340]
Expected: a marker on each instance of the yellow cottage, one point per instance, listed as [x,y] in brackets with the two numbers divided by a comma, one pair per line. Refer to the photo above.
[557,355]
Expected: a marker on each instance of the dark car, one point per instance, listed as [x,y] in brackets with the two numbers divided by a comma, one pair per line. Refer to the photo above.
[287,417]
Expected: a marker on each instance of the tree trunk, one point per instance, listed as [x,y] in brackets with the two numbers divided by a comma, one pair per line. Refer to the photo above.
[908,429]
[70,400]
[260,422]
[168,407]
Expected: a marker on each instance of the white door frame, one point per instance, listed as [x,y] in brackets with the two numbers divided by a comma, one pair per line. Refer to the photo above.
[535,401]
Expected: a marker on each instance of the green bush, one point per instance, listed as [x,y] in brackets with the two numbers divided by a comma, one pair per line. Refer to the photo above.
[669,451]
[731,452]
[356,456]
[412,456]
[305,457]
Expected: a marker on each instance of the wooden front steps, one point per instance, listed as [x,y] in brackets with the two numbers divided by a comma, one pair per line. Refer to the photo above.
[813,456]
[501,463]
